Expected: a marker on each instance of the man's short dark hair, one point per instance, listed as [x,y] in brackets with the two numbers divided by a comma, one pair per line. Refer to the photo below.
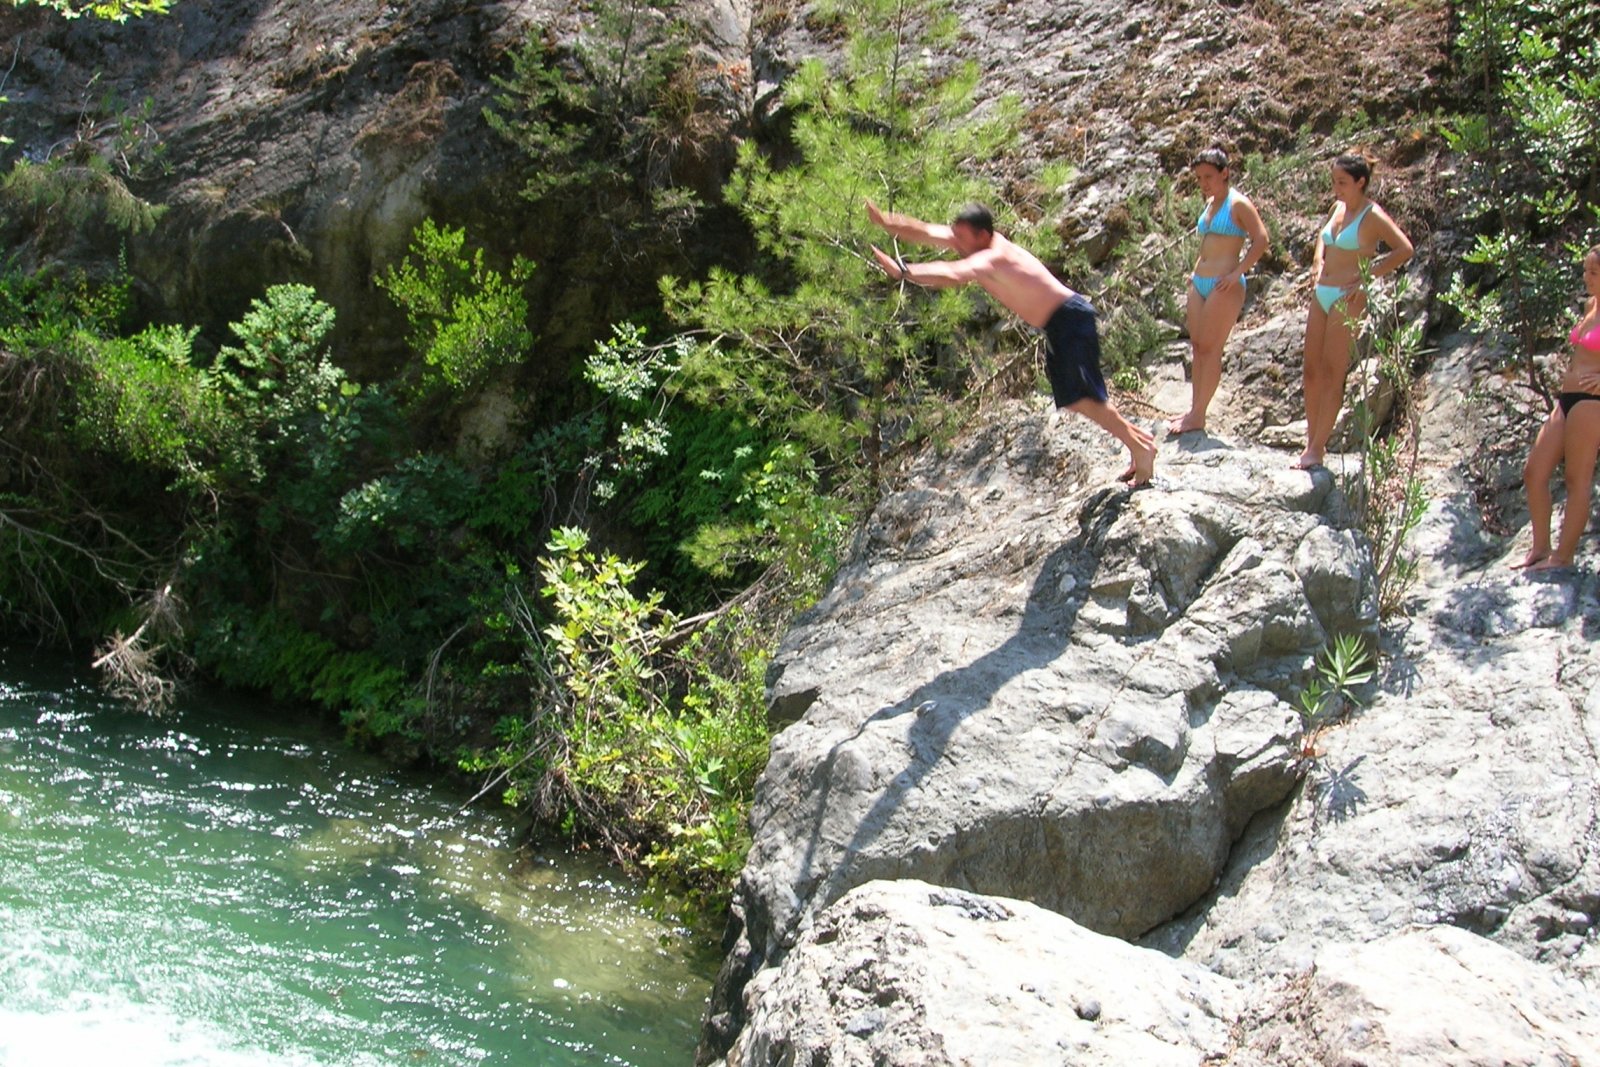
[977,216]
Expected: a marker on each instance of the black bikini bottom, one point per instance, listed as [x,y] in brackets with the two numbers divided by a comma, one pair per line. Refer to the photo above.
[1568,401]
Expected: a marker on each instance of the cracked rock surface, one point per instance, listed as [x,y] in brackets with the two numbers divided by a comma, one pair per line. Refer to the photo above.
[887,976]
[1031,686]
[1029,683]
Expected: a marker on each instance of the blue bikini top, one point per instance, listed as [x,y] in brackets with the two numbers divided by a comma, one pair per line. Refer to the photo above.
[1351,228]
[1221,222]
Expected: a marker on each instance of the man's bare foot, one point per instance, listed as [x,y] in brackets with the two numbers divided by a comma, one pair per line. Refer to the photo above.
[1143,465]
[1535,555]
[1185,423]
[1308,460]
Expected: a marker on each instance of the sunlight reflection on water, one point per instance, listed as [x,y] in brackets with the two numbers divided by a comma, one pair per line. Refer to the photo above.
[211,889]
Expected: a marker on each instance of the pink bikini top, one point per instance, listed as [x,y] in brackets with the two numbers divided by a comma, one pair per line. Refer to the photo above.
[1590,340]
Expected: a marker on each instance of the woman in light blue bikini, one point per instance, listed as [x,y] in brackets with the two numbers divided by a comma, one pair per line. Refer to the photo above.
[1354,230]
[1228,220]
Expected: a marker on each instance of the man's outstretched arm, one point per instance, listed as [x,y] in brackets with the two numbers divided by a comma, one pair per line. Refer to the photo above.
[946,274]
[907,228]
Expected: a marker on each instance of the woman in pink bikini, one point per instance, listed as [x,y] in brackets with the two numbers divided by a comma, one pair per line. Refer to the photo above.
[1232,239]
[1571,435]
[1351,238]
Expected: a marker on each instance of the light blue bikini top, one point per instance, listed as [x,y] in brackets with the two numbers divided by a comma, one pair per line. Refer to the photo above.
[1352,230]
[1221,222]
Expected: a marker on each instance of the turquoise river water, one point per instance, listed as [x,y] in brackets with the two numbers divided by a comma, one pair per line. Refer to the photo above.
[217,888]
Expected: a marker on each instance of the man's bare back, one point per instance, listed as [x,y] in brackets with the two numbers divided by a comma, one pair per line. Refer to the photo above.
[1015,277]
[1012,275]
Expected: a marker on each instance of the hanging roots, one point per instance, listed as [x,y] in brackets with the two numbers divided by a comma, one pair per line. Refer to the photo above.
[130,666]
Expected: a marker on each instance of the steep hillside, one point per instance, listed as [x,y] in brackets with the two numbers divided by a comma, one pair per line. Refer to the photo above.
[301,141]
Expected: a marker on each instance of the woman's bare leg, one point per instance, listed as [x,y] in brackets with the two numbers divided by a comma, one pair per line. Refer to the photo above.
[1210,323]
[1337,342]
[1543,458]
[1582,439]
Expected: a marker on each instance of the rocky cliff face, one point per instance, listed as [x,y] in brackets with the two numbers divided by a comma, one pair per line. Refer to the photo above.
[305,142]
[1032,687]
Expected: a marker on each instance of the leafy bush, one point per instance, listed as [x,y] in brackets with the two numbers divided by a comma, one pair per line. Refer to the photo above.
[1524,152]
[280,379]
[1341,667]
[609,126]
[643,735]
[466,318]
[144,399]
[1386,489]
[91,175]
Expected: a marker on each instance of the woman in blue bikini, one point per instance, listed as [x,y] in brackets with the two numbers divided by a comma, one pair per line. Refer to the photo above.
[1355,229]
[1228,221]
[1571,435]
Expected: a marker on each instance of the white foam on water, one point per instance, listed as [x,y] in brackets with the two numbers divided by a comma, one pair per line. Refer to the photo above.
[95,1029]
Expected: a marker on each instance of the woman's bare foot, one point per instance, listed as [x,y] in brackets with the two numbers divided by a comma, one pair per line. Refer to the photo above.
[1308,460]
[1185,423]
[1551,562]
[1535,555]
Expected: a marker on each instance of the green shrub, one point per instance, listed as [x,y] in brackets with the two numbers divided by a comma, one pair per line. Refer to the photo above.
[1527,148]
[466,318]
[646,738]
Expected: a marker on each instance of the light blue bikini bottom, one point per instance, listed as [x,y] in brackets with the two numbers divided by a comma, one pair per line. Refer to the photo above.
[1204,286]
[1329,295]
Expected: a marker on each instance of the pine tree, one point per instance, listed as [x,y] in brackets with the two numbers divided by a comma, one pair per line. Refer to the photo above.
[816,345]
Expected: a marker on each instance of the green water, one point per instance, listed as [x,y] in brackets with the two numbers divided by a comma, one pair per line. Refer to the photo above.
[217,889]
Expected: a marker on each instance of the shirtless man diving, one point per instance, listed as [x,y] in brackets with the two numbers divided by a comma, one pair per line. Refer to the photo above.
[1021,283]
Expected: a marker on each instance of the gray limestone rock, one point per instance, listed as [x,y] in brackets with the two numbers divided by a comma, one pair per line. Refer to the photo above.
[1029,684]
[1468,793]
[1434,997]
[908,974]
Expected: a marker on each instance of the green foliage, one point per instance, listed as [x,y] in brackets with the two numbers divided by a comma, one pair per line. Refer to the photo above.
[1529,170]
[1131,333]
[782,520]
[466,318]
[1341,667]
[102,427]
[89,176]
[142,398]
[280,380]
[629,373]
[272,652]
[647,737]
[608,127]
[817,347]
[112,10]
[1386,489]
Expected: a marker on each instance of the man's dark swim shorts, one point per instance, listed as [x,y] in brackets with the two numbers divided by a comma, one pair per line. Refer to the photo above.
[1072,353]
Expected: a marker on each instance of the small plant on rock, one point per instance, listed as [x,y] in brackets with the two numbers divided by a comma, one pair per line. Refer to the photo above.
[1386,490]
[1328,697]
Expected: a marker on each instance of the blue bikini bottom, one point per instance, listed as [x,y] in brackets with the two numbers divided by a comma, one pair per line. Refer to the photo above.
[1204,286]
[1329,295]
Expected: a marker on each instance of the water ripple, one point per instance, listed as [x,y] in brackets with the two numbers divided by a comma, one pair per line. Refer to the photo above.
[206,892]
